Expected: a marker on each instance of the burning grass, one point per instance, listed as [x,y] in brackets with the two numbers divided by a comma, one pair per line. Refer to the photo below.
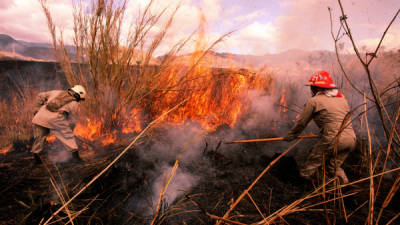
[181,172]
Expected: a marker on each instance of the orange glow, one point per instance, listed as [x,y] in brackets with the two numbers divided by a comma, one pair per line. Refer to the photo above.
[50,138]
[132,124]
[88,131]
[5,150]
[283,104]
[93,130]
[108,139]
[215,97]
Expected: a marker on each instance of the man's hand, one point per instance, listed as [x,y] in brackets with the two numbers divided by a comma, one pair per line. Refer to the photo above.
[64,113]
[289,138]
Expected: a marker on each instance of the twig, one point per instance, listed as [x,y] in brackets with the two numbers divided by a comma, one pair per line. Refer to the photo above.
[270,139]
[370,218]
[383,36]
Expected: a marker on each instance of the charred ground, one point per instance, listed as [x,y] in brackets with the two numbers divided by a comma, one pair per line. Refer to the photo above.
[116,198]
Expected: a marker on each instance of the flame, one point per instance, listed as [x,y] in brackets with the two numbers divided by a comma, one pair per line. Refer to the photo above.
[283,105]
[92,129]
[51,138]
[215,97]
[109,139]
[88,131]
[6,149]
[132,124]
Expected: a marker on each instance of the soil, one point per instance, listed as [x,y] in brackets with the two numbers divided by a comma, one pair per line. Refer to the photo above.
[28,195]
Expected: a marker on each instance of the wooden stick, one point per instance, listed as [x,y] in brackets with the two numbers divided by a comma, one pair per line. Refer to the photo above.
[269,139]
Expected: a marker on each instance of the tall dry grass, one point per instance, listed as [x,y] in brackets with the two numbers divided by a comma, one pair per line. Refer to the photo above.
[15,119]
[118,69]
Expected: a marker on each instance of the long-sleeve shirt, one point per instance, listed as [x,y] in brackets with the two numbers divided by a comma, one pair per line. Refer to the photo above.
[331,114]
[54,120]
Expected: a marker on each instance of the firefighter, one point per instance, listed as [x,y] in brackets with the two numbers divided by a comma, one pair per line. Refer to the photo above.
[330,111]
[55,112]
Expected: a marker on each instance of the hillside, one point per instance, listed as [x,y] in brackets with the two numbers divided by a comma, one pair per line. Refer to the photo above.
[11,49]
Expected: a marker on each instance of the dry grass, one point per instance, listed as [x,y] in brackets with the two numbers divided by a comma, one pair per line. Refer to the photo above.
[16,118]
[104,65]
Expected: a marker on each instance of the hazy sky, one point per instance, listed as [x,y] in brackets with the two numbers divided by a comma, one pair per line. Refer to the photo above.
[261,26]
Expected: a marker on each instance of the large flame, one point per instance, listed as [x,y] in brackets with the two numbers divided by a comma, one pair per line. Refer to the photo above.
[214,96]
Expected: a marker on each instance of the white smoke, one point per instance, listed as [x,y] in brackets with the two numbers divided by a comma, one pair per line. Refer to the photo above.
[182,181]
[174,140]
[261,111]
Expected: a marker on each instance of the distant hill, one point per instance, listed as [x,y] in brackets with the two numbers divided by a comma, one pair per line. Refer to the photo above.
[31,51]
[283,59]
[292,66]
[15,56]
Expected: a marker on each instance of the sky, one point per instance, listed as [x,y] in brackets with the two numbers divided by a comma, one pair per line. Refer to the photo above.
[260,26]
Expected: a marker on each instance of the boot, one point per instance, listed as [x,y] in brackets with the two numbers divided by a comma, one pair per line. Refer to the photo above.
[76,158]
[342,176]
[38,161]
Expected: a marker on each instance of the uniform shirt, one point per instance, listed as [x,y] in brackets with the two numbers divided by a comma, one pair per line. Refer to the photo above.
[54,120]
[331,114]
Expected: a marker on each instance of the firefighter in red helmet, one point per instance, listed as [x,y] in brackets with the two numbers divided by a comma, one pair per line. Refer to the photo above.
[330,111]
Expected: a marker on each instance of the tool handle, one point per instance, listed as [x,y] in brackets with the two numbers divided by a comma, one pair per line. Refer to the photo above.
[270,139]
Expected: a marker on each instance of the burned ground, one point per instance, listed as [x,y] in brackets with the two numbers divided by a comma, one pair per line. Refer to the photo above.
[29,196]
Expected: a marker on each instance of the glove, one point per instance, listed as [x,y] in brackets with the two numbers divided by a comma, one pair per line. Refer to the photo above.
[289,138]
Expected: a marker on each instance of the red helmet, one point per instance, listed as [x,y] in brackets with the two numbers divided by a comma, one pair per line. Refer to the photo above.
[321,79]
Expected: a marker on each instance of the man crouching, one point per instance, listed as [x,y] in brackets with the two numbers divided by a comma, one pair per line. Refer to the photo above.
[55,112]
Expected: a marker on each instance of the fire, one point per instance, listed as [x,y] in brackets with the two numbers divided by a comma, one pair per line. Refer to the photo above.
[51,138]
[92,129]
[283,104]
[6,149]
[132,124]
[109,139]
[215,97]
[88,131]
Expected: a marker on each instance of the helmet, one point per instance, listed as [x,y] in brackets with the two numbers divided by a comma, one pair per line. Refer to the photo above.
[80,90]
[321,79]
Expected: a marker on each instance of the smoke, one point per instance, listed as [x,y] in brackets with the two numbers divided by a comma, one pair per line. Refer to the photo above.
[172,140]
[182,181]
[59,156]
[190,143]
[261,112]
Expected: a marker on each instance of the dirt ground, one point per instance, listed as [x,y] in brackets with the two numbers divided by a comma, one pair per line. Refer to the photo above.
[29,196]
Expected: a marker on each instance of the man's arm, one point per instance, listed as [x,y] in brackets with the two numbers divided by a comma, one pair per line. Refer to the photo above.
[305,118]
[41,99]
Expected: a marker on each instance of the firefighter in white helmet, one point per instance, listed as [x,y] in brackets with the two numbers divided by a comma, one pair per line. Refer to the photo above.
[55,112]
[330,111]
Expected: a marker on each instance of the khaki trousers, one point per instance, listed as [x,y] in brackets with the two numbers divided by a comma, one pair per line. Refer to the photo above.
[333,160]
[40,133]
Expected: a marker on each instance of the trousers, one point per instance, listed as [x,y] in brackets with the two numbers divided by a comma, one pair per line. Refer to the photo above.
[333,157]
[40,133]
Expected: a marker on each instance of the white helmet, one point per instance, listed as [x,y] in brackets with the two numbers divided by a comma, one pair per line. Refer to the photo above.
[80,90]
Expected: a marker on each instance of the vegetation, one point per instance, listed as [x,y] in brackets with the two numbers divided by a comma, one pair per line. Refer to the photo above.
[238,189]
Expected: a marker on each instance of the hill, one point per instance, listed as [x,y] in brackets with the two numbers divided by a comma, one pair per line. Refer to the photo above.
[21,50]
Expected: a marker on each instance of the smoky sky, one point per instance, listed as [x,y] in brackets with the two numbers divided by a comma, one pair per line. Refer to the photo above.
[260,27]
